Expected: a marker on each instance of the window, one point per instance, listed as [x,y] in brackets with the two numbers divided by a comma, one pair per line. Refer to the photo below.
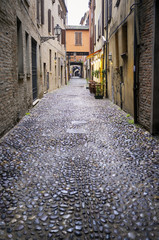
[63,38]
[94,4]
[20,46]
[50,59]
[42,11]
[106,14]
[27,53]
[110,10]
[59,67]
[49,20]
[52,25]
[38,11]
[116,50]
[95,34]
[124,39]
[59,10]
[99,26]
[102,17]
[78,38]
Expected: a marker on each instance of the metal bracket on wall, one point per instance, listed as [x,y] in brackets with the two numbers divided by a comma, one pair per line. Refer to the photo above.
[44,39]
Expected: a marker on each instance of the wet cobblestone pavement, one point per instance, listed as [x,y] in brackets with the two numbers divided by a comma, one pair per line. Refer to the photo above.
[75,168]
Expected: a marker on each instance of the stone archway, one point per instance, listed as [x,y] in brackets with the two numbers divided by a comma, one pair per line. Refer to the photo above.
[78,65]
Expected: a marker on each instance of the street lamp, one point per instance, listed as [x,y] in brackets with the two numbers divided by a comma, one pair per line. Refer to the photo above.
[57,34]
[110,57]
[57,30]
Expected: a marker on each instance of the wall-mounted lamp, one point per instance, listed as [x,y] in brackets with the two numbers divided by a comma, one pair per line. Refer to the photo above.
[57,34]
[110,57]
[57,30]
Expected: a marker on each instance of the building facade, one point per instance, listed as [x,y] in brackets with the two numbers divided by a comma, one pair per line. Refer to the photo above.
[148,83]
[120,53]
[29,65]
[124,56]
[77,48]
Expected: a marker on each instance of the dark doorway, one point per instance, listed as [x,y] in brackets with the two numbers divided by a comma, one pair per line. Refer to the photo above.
[47,80]
[61,75]
[34,69]
[44,75]
[155,86]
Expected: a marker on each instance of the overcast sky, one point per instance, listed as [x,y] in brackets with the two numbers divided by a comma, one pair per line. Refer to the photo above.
[76,10]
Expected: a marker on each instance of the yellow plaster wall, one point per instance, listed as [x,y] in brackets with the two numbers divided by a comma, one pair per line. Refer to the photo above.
[116,84]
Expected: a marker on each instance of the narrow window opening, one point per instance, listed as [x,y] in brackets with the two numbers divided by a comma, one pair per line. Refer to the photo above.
[27,53]
[50,58]
[49,20]
[20,47]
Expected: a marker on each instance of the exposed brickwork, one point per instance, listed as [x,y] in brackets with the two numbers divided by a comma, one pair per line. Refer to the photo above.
[18,27]
[8,70]
[146,14]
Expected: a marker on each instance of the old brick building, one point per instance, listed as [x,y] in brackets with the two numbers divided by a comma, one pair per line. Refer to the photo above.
[148,81]
[29,65]
[131,55]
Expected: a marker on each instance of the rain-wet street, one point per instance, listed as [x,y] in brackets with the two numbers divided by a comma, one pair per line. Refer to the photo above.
[77,168]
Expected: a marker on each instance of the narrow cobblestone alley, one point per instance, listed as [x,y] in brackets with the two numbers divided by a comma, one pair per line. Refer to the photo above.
[76,168]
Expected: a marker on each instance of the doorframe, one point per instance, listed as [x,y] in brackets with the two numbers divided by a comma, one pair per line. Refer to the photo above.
[33,41]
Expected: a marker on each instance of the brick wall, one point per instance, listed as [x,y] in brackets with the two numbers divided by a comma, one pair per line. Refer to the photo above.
[146,15]
[15,94]
[19,25]
[8,69]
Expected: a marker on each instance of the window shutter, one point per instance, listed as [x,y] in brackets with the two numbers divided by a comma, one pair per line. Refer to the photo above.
[95,34]
[49,20]
[42,11]
[110,10]
[106,13]
[99,26]
[62,14]
[78,38]
[59,10]
[102,17]
[38,8]
[63,36]
[52,25]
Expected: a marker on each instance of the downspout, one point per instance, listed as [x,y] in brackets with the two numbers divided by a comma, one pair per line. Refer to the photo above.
[106,59]
[103,68]
[136,62]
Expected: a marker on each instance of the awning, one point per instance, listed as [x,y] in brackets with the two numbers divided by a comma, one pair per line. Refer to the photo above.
[93,54]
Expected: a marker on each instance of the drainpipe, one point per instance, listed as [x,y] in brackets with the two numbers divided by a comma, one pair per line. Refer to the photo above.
[103,68]
[136,62]
[106,59]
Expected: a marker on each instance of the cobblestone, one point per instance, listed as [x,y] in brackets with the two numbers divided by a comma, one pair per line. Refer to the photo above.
[75,168]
